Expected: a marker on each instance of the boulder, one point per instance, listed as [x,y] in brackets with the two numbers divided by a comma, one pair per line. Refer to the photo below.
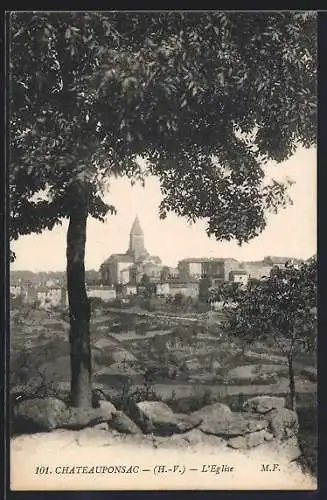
[238,442]
[79,418]
[233,424]
[263,404]
[108,407]
[97,396]
[215,411]
[255,438]
[158,418]
[122,423]
[290,449]
[283,423]
[37,415]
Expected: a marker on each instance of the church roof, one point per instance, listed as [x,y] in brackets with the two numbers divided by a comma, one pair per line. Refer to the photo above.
[136,227]
[118,257]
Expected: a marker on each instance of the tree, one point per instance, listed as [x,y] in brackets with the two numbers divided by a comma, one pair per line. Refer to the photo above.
[281,307]
[149,287]
[205,99]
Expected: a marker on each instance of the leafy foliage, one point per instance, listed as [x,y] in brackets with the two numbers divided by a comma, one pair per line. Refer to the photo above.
[282,306]
[205,98]
[149,288]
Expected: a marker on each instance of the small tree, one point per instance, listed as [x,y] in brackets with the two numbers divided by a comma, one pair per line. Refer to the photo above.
[281,307]
[149,287]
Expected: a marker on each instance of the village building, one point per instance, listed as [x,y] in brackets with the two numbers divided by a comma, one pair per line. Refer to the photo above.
[239,276]
[188,288]
[216,268]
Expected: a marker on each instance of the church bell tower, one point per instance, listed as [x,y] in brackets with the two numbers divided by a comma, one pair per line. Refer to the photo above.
[136,240]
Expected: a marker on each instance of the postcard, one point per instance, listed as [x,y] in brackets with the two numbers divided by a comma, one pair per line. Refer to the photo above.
[163,288]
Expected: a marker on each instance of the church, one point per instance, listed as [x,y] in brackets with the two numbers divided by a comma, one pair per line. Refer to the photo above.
[129,267]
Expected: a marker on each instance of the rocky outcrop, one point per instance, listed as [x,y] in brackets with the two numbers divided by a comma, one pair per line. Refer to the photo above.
[263,404]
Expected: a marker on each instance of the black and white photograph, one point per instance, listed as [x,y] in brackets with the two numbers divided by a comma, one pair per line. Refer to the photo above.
[162,183]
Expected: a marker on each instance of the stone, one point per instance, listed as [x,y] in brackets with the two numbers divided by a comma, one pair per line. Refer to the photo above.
[122,423]
[215,411]
[263,404]
[233,424]
[255,438]
[79,418]
[283,423]
[256,424]
[269,436]
[158,418]
[37,415]
[97,396]
[108,407]
[290,449]
[238,442]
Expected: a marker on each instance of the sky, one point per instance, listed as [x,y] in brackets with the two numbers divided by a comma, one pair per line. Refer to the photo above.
[291,233]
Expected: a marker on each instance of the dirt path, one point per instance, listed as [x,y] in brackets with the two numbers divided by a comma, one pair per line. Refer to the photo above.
[64,454]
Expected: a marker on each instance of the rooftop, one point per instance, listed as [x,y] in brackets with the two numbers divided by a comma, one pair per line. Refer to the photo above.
[206,259]
[121,257]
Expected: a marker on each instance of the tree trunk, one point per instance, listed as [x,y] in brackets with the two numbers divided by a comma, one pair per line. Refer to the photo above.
[79,306]
[292,382]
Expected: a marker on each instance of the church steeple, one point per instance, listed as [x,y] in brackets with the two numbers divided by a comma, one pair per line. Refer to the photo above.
[136,227]
[136,240]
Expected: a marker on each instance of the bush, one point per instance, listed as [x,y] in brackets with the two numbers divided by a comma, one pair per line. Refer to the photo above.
[127,398]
